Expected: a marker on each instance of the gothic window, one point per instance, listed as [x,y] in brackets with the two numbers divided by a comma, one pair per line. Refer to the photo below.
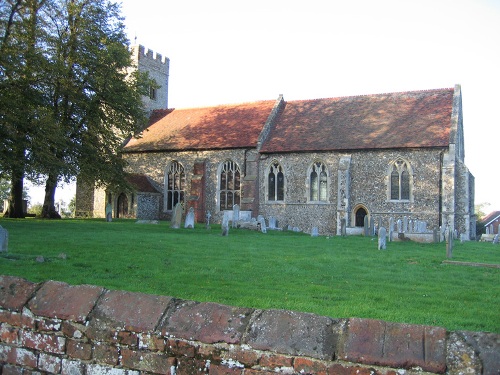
[400,181]
[152,93]
[275,183]
[229,185]
[318,183]
[175,181]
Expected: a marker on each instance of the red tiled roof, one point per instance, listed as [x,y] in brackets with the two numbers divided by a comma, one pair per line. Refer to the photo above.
[141,183]
[490,217]
[395,120]
[220,127]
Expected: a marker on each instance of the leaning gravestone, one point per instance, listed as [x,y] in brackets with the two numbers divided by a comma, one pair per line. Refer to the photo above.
[176,216]
[382,232]
[4,240]
[189,222]
[109,212]
[495,239]
[236,216]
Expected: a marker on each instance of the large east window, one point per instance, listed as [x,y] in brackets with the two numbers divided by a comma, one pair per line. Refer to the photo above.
[229,185]
[175,181]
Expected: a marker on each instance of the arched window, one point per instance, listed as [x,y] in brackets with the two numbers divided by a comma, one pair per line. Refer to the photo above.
[229,185]
[318,183]
[275,183]
[400,181]
[175,181]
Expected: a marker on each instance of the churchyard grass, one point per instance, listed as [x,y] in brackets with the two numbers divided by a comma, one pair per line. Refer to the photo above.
[336,277]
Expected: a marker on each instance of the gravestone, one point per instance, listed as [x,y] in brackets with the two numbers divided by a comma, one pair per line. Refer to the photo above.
[436,235]
[225,226]
[391,228]
[405,224]
[189,222]
[449,243]
[366,226]
[343,230]
[109,212]
[314,232]
[272,223]
[382,232]
[411,226]
[495,239]
[4,240]
[236,216]
[176,217]
[208,215]
[400,226]
[262,222]
[372,226]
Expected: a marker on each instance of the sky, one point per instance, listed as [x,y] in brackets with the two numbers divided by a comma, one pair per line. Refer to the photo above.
[233,51]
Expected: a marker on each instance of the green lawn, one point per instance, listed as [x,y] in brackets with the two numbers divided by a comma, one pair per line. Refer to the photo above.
[337,277]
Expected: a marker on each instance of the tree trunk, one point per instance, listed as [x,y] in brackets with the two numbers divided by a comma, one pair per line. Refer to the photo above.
[49,209]
[16,204]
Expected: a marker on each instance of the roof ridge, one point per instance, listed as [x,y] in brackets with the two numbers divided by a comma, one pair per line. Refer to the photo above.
[375,94]
[227,104]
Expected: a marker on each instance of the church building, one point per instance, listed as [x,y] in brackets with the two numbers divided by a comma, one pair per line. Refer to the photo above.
[306,163]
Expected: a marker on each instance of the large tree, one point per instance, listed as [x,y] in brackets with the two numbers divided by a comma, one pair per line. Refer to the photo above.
[22,105]
[88,103]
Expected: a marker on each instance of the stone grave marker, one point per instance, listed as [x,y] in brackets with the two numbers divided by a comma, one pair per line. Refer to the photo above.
[189,221]
[109,212]
[176,216]
[208,215]
[262,223]
[405,224]
[382,233]
[4,240]
[372,226]
[236,216]
[449,243]
[391,228]
[366,226]
[399,224]
[436,235]
[272,223]
[495,239]
[225,226]
[314,232]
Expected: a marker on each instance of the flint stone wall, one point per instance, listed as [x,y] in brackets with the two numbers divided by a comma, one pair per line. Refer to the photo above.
[56,328]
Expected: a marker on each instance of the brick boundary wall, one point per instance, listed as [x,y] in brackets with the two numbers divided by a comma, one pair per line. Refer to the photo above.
[56,328]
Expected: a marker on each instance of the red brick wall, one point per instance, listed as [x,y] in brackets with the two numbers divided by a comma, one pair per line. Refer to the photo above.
[56,328]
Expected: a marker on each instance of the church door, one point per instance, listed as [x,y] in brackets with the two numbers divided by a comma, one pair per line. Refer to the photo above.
[122,205]
[360,217]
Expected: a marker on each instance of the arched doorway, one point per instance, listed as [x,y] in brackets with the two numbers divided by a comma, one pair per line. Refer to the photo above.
[122,203]
[360,217]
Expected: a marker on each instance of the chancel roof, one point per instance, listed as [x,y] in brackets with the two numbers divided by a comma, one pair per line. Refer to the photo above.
[382,121]
[219,127]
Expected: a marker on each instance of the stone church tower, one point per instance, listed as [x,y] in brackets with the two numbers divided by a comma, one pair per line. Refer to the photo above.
[91,202]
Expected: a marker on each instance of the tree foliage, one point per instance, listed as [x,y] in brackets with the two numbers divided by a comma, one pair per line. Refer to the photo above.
[67,97]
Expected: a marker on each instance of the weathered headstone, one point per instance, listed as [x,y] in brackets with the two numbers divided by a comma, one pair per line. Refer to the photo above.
[208,215]
[272,223]
[382,232]
[262,223]
[495,239]
[189,221]
[400,226]
[449,243]
[225,226]
[405,224]
[343,230]
[109,212]
[366,226]
[372,226]
[391,228]
[236,216]
[176,217]
[4,240]
[314,232]
[411,226]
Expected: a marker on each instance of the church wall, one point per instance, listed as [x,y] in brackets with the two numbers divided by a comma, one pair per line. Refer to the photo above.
[154,165]
[368,188]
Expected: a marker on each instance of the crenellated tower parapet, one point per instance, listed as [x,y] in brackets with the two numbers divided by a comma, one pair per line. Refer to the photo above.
[157,65]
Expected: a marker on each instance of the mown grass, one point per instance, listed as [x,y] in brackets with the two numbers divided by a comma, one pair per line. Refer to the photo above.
[337,277]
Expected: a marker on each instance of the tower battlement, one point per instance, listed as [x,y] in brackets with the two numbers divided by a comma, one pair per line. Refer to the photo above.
[140,52]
